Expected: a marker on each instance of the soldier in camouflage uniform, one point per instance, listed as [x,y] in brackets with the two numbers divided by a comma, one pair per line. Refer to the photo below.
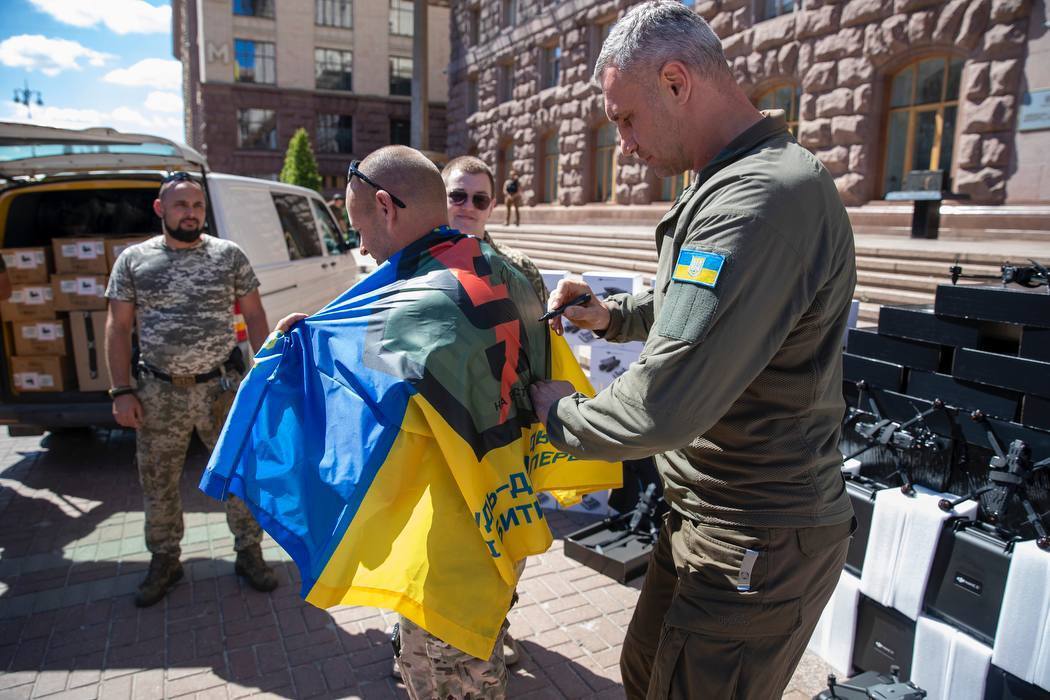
[436,669]
[180,288]
[430,667]
[470,186]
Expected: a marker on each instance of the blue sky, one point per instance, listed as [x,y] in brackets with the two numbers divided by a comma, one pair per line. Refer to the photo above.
[97,63]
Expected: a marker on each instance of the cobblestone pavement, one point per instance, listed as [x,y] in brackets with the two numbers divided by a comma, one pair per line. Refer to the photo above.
[72,554]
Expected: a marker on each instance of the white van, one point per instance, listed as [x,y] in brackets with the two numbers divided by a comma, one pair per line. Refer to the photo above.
[58,183]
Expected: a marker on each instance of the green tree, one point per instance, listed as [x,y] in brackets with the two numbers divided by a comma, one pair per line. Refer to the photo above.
[300,166]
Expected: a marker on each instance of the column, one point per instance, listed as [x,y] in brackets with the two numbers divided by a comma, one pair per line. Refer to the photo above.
[420,90]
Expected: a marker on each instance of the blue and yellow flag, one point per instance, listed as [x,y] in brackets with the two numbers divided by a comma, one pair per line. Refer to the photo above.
[388,442]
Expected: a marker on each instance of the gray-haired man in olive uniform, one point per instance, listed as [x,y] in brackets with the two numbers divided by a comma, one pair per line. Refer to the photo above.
[738,391]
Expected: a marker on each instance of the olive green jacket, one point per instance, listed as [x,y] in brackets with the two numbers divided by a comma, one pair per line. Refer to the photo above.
[738,391]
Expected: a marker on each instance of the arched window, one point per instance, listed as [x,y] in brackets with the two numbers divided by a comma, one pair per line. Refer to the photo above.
[604,162]
[550,168]
[783,97]
[920,125]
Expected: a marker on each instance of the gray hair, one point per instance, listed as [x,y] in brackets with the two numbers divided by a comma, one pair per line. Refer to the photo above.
[655,32]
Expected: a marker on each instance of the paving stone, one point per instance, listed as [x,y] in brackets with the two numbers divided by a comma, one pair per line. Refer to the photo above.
[218,638]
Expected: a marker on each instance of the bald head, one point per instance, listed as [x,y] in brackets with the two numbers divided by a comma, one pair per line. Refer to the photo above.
[409,176]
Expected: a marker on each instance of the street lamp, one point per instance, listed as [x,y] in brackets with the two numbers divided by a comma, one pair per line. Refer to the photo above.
[24,96]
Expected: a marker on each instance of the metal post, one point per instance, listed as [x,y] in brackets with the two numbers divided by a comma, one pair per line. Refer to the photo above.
[420,89]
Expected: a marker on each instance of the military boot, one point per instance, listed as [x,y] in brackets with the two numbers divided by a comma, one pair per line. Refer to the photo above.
[164,572]
[251,566]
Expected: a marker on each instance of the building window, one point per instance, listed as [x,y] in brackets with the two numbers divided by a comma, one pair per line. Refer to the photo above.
[920,126]
[672,186]
[768,9]
[550,66]
[334,13]
[783,97]
[550,168]
[253,8]
[475,26]
[333,69]
[335,133]
[604,162]
[504,82]
[401,12]
[472,95]
[400,75]
[257,129]
[509,12]
[255,62]
[400,132]
[599,33]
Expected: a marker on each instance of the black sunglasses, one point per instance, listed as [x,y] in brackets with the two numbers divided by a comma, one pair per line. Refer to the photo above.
[352,170]
[459,198]
[178,176]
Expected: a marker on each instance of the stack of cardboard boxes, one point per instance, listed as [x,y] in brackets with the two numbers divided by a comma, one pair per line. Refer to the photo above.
[57,313]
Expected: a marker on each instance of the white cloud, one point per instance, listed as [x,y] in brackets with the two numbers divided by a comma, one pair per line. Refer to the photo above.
[120,16]
[121,118]
[161,73]
[164,102]
[49,56]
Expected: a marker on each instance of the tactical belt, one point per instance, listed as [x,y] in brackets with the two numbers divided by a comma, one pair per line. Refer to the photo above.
[184,380]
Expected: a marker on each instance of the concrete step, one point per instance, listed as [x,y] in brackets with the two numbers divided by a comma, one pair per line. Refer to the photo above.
[869,313]
[907,266]
[961,221]
[881,295]
[579,264]
[535,246]
[891,280]
[986,255]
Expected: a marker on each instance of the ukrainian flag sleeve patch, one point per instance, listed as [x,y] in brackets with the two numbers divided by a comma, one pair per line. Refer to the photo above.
[698,267]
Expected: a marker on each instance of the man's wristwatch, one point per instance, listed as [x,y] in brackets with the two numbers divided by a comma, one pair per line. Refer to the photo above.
[120,391]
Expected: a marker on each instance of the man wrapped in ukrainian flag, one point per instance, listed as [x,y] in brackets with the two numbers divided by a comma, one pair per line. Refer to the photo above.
[388,442]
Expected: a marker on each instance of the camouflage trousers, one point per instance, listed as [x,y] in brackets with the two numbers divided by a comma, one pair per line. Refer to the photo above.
[170,415]
[431,668]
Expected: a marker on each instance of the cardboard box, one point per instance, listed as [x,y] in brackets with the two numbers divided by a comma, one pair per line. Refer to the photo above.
[116,246]
[26,265]
[79,292]
[84,255]
[40,373]
[88,330]
[610,360]
[606,283]
[29,302]
[40,337]
[552,277]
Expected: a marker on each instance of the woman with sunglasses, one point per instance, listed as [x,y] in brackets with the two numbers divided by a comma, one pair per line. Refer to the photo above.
[470,186]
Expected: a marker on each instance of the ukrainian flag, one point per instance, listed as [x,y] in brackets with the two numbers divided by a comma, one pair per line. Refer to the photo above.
[698,267]
[388,442]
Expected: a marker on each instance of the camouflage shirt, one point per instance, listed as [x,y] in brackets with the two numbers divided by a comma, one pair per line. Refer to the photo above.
[522,264]
[183,300]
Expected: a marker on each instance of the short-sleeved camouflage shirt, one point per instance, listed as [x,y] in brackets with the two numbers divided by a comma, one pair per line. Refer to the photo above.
[183,300]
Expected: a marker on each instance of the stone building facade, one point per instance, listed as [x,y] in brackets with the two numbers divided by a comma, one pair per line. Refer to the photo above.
[255,71]
[850,74]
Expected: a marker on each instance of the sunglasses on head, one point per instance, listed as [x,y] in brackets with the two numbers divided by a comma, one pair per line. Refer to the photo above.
[460,197]
[178,176]
[352,171]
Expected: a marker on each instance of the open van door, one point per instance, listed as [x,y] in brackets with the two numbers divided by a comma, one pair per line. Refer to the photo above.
[31,151]
[290,237]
